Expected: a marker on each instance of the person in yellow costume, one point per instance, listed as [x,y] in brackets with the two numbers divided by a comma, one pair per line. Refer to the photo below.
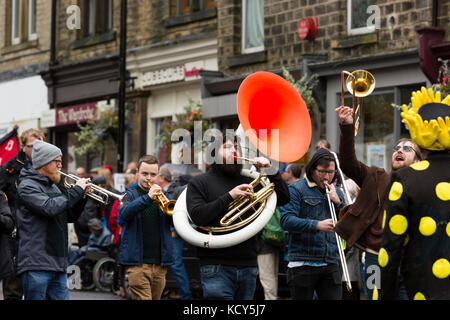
[416,234]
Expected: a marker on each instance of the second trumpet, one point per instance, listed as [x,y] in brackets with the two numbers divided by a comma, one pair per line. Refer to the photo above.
[163,202]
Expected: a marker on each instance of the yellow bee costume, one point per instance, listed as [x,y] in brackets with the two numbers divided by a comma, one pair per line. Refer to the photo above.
[416,227]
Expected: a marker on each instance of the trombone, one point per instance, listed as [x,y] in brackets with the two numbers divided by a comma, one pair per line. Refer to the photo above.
[359,83]
[339,244]
[103,194]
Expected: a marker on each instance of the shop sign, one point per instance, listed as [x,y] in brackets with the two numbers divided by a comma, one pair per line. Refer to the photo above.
[75,114]
[167,75]
[192,70]
[48,118]
[189,71]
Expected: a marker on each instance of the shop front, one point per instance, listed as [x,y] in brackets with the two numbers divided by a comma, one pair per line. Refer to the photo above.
[82,93]
[170,75]
[22,102]
[396,77]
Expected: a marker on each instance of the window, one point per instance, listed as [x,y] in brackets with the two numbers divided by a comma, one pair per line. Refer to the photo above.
[183,7]
[15,22]
[98,15]
[375,138]
[32,20]
[23,21]
[252,26]
[361,16]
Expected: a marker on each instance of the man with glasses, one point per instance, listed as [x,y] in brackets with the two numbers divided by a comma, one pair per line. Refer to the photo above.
[43,212]
[362,223]
[9,177]
[312,250]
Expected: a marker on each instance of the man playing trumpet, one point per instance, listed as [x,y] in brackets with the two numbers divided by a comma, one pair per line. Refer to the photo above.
[146,247]
[43,212]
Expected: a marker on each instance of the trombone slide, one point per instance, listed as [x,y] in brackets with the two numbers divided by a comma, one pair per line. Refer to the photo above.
[339,244]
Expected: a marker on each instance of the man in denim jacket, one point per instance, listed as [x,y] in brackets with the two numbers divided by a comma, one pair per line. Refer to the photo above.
[312,249]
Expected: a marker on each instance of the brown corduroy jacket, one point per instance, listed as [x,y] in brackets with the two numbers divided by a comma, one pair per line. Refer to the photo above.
[362,224]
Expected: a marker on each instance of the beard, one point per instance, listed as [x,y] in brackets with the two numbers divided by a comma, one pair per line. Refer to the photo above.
[54,176]
[233,169]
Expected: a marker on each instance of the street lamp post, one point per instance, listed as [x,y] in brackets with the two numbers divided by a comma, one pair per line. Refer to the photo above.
[122,85]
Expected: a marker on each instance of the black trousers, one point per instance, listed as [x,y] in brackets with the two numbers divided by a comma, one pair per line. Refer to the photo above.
[325,281]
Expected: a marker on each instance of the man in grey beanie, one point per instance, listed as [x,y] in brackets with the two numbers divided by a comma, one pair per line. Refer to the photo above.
[43,212]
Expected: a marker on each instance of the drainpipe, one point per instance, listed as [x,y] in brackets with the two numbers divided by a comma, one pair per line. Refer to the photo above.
[434,16]
[52,63]
[122,85]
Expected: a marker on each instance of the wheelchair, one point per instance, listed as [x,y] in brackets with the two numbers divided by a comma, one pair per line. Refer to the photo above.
[98,269]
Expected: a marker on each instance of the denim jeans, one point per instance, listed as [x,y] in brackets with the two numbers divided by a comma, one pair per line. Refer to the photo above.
[325,281]
[221,282]
[42,285]
[179,271]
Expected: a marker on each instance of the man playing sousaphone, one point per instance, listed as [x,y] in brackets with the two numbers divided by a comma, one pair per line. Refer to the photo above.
[227,273]
[362,223]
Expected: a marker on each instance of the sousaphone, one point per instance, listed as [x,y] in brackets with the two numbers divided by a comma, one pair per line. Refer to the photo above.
[276,121]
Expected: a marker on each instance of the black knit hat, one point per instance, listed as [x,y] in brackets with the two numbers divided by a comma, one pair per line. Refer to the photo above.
[312,164]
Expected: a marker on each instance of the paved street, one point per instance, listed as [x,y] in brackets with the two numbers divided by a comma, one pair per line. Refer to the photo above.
[93,295]
[84,295]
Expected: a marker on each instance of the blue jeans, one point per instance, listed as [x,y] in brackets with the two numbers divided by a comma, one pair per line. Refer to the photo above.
[221,282]
[42,285]
[179,271]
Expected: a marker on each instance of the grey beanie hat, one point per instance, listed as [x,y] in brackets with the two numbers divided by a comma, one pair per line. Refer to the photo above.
[43,153]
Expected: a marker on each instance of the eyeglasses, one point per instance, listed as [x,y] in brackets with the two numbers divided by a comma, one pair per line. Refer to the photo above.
[58,162]
[324,172]
[407,149]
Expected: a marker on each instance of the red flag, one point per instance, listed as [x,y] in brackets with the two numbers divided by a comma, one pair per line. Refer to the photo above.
[9,146]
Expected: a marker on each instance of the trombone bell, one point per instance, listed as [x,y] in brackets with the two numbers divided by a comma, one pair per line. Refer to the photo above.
[364,83]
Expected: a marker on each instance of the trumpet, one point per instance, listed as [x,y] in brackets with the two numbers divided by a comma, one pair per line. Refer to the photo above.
[102,194]
[167,206]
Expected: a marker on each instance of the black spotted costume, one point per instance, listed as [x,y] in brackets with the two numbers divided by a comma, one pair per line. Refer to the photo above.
[416,234]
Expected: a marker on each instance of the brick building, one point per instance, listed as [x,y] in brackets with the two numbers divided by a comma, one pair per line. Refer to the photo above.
[24,52]
[76,62]
[383,40]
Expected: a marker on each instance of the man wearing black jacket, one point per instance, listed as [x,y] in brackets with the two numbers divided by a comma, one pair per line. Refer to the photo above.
[43,212]
[227,273]
[6,227]
[9,177]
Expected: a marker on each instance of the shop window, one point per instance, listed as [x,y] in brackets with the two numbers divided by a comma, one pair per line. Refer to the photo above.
[22,18]
[375,138]
[361,17]
[405,98]
[252,26]
[184,7]
[97,17]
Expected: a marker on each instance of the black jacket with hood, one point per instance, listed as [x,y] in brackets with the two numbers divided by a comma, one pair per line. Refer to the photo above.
[6,227]
[43,212]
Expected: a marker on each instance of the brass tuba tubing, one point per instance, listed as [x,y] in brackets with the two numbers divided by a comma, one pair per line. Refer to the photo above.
[104,194]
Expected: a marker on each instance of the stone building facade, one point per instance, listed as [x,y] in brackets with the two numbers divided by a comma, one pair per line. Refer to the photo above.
[24,52]
[380,36]
[83,74]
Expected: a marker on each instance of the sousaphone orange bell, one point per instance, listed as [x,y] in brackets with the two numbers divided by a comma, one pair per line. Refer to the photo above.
[267,103]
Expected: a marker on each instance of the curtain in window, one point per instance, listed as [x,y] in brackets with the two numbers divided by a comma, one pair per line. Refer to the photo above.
[254,24]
